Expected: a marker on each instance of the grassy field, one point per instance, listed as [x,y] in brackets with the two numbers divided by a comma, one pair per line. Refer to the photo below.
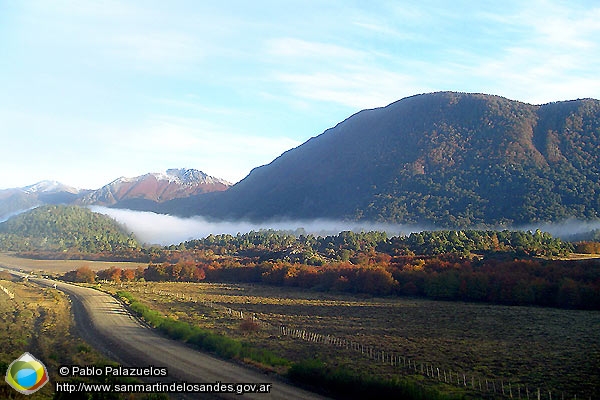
[39,321]
[538,347]
[61,266]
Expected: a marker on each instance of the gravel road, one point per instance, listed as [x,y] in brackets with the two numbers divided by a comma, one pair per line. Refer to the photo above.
[106,324]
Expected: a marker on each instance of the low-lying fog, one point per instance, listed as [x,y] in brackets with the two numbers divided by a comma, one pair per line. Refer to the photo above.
[163,229]
[152,228]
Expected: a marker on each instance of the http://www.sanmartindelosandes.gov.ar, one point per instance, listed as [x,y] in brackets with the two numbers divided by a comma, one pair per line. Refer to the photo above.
[26,374]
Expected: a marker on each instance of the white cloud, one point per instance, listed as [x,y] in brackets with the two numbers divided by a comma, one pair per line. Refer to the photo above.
[388,31]
[358,88]
[324,72]
[194,103]
[119,88]
[190,142]
[536,51]
[554,57]
[89,154]
[156,51]
[293,47]
[566,27]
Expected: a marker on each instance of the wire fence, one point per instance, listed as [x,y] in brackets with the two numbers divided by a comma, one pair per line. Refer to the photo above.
[491,387]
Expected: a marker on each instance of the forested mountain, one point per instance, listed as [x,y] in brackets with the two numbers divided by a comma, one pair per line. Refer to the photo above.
[64,228]
[443,159]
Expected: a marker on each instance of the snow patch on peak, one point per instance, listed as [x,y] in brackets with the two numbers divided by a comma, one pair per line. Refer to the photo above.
[156,186]
[182,176]
[49,187]
[190,176]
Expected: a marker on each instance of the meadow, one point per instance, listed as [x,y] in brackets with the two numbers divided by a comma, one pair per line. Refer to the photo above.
[557,351]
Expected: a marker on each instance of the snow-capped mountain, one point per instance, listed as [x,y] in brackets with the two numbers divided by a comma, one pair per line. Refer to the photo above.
[50,187]
[15,200]
[141,192]
[155,187]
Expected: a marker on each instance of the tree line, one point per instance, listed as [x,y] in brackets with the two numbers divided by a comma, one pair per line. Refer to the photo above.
[485,266]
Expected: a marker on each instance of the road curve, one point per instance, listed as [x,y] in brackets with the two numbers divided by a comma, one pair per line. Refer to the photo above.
[104,322]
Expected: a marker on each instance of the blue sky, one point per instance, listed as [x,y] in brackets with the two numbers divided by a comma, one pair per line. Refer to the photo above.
[92,91]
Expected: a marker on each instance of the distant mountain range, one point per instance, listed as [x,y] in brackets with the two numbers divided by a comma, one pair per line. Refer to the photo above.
[442,159]
[46,192]
[139,192]
[154,188]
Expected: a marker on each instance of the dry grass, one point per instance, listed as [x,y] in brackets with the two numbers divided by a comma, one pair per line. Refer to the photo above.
[558,349]
[580,256]
[62,266]
[38,320]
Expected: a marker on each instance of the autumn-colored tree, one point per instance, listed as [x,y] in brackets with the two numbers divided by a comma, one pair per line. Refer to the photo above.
[115,274]
[568,294]
[156,272]
[84,275]
[375,281]
[341,284]
[291,276]
[308,277]
[276,273]
[198,274]
[128,275]
[587,247]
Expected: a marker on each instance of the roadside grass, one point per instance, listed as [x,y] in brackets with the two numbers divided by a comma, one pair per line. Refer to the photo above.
[337,382]
[205,339]
[539,347]
[39,321]
[343,383]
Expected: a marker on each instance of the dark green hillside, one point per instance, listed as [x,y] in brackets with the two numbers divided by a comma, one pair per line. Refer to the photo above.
[62,228]
[447,159]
